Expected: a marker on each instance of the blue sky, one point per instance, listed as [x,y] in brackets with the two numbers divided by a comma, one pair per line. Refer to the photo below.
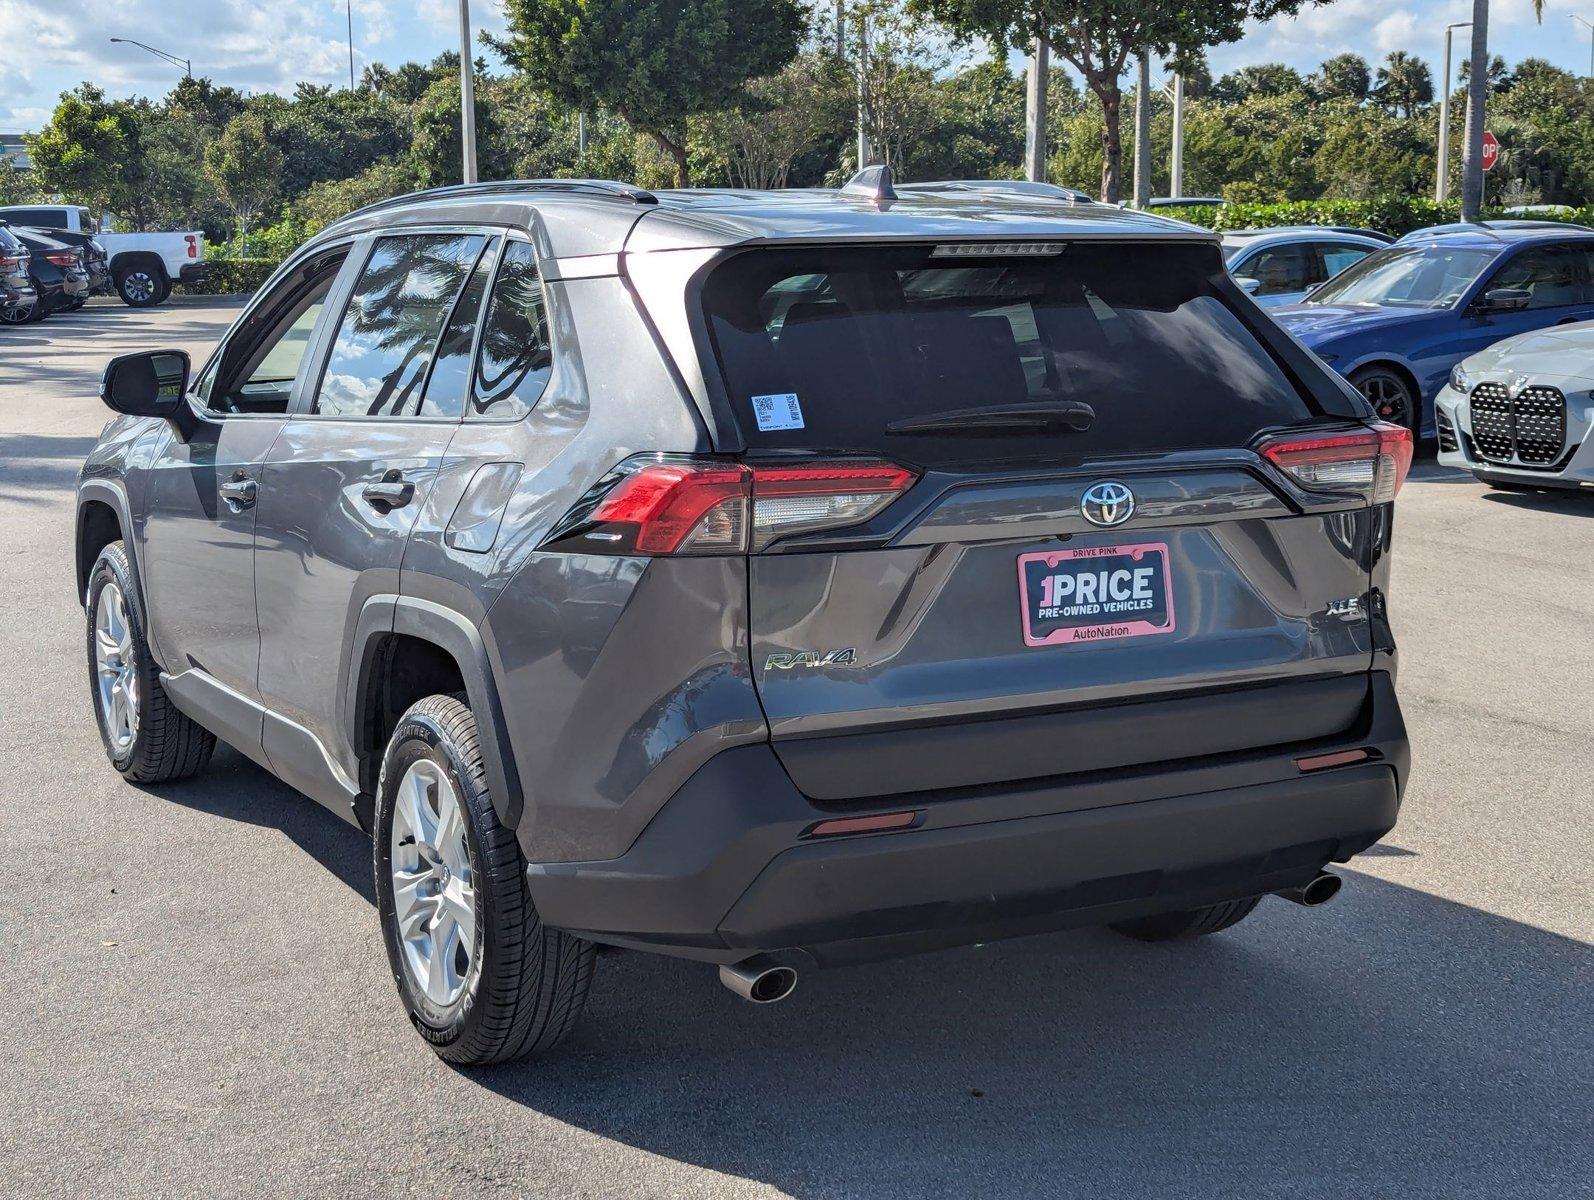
[268,45]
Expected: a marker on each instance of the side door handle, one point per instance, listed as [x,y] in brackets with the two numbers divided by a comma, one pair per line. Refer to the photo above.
[390,492]
[239,492]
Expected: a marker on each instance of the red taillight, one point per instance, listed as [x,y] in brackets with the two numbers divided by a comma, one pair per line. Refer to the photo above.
[1372,462]
[11,262]
[677,505]
[193,245]
[681,508]
[62,258]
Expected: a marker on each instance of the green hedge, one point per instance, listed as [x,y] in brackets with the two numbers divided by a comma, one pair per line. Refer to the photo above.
[1395,215]
[233,276]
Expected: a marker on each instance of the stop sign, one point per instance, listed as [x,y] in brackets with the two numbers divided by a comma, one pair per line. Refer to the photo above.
[1491,149]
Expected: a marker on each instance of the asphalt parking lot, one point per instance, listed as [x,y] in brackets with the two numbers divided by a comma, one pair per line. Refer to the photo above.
[200,1005]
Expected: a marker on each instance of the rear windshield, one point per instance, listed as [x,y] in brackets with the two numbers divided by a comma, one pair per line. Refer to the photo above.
[822,349]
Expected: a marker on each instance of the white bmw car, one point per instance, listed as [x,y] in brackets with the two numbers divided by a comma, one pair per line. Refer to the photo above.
[1519,414]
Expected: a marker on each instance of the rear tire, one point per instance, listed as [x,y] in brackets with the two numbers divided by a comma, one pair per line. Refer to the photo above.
[1193,922]
[142,287]
[481,978]
[145,736]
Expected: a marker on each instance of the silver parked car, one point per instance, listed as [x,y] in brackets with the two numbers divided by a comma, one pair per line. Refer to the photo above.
[771,579]
[1279,266]
[1520,415]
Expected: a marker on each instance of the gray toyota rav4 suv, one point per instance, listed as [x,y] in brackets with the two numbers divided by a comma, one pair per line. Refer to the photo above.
[773,579]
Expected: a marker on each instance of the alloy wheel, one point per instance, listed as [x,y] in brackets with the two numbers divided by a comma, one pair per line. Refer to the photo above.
[1389,398]
[20,315]
[116,668]
[434,893]
[138,286]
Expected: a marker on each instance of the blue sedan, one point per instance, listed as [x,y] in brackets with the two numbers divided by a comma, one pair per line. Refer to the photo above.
[1397,321]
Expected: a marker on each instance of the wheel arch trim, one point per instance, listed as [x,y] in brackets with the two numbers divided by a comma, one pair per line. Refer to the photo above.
[458,637]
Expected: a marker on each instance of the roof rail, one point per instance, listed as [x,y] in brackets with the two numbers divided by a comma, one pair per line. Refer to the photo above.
[1029,189]
[581,187]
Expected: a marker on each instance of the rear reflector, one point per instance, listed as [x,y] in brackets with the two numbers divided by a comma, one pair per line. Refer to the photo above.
[662,504]
[1339,758]
[1372,462]
[871,824]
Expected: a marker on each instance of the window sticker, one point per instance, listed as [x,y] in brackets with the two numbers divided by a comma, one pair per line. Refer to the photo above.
[779,411]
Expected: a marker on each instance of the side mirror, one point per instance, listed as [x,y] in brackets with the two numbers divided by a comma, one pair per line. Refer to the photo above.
[1248,285]
[153,383]
[1503,300]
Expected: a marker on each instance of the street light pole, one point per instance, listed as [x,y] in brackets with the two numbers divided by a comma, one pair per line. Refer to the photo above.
[467,95]
[185,64]
[348,11]
[1441,186]
[1176,163]
[1590,24]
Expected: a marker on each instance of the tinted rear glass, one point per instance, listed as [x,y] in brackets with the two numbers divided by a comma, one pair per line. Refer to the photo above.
[824,348]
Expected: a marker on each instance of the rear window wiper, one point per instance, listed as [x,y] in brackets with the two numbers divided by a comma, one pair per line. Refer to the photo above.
[1054,416]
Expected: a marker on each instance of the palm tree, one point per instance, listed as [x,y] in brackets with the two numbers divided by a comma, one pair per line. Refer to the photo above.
[1477,86]
[1404,83]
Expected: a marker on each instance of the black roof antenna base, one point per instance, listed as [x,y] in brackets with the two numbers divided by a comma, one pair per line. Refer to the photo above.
[873,183]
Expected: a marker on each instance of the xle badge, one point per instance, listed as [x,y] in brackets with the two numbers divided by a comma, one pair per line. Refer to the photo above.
[812,658]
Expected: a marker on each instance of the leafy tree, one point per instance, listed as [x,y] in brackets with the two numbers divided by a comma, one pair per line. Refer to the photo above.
[408,83]
[1263,79]
[1343,77]
[1404,84]
[789,115]
[657,63]
[244,167]
[334,199]
[325,133]
[1098,37]
[88,150]
[1368,153]
[437,154]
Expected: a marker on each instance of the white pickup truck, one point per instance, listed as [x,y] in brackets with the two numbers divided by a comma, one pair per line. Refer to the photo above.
[143,265]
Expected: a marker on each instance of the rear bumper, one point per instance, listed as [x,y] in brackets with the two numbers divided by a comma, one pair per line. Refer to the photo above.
[725,870]
[194,272]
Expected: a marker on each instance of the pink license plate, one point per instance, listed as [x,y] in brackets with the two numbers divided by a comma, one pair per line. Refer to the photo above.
[1095,594]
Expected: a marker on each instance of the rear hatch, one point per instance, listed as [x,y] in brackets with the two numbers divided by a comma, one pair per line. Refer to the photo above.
[1092,562]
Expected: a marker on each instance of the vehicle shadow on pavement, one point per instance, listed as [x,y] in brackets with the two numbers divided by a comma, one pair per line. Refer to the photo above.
[1392,1043]
[1566,504]
[235,789]
[1354,1050]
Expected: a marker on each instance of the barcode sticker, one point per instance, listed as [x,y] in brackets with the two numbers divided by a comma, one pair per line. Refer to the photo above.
[780,411]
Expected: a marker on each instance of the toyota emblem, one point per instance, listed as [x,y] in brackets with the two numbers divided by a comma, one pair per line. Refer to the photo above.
[1107,503]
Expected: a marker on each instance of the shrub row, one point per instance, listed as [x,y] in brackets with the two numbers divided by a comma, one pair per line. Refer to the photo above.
[233,276]
[1395,215]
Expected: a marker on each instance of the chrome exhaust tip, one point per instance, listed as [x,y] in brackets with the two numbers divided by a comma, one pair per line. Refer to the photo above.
[759,979]
[1319,891]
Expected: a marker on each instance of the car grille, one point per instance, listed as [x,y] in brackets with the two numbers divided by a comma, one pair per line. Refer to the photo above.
[1529,431]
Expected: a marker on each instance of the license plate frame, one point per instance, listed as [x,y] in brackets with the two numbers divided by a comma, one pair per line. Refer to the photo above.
[1136,618]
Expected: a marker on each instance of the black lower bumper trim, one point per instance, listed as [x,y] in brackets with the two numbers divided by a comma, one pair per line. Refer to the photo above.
[723,871]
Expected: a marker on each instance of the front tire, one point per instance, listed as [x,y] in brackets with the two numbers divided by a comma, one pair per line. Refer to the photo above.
[145,736]
[1191,923]
[482,979]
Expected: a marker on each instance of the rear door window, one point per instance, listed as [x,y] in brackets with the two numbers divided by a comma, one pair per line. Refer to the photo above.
[1281,269]
[823,349]
[1337,257]
[390,330]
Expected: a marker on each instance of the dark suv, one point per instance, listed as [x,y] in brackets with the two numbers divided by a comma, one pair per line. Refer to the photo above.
[770,579]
